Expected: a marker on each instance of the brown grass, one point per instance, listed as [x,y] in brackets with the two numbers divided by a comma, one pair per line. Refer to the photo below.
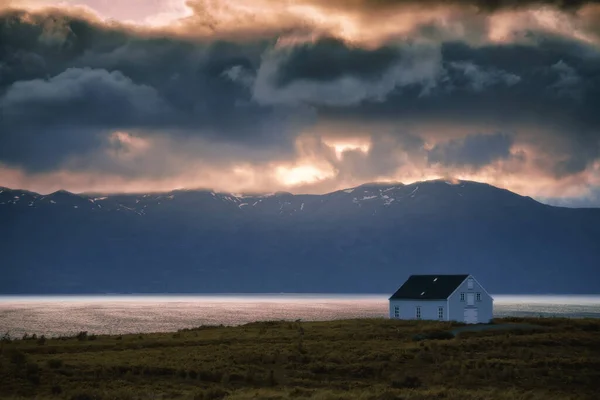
[373,359]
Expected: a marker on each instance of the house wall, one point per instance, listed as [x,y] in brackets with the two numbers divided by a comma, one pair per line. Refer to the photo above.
[408,309]
[485,307]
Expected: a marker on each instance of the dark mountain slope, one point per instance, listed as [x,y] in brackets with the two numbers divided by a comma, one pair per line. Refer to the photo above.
[365,239]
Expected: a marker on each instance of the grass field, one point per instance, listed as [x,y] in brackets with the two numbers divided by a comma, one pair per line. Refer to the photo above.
[374,359]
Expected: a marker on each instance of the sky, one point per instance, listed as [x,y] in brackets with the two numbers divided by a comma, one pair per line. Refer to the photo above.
[305,96]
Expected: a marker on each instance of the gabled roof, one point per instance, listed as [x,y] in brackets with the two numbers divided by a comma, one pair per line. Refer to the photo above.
[429,287]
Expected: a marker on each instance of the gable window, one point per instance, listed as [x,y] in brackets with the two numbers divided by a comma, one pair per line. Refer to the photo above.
[470,283]
[418,312]
[440,312]
[396,312]
[462,297]
[478,296]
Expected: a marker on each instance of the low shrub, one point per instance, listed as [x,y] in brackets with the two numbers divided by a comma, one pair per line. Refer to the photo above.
[409,382]
[16,357]
[32,372]
[434,335]
[54,363]
[85,396]
[211,394]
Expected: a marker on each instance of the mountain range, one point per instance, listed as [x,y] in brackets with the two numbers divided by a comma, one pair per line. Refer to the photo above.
[366,239]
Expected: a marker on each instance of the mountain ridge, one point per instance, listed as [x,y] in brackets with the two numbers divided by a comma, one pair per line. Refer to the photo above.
[200,189]
[241,195]
[390,195]
[364,239]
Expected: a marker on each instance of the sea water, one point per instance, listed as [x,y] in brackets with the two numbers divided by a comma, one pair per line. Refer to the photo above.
[114,314]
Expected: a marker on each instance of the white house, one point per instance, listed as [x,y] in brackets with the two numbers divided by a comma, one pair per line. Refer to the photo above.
[442,298]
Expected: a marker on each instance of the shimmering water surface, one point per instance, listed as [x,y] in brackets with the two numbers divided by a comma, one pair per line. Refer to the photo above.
[63,315]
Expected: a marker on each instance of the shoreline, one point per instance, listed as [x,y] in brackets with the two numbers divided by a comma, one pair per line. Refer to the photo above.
[500,323]
[109,315]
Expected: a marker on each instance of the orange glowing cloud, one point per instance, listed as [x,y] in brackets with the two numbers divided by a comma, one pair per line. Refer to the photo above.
[301,174]
[315,138]
[341,146]
[357,22]
[306,174]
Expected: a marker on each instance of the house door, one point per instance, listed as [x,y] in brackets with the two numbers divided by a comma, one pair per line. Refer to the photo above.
[470,299]
[471,315]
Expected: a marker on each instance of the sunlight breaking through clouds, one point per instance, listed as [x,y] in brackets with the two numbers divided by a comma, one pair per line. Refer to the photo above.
[306,96]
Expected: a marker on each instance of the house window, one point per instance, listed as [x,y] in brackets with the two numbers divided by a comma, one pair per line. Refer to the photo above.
[462,297]
[478,296]
[396,312]
[470,283]
[418,312]
[440,312]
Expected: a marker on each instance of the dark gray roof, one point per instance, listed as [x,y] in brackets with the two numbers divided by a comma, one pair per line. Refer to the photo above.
[429,287]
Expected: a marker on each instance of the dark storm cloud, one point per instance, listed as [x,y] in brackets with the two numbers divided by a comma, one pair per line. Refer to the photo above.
[90,96]
[569,83]
[64,74]
[385,156]
[557,91]
[471,75]
[66,83]
[310,74]
[46,120]
[473,150]
[330,58]
[182,71]
[579,151]
[553,86]
[465,74]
